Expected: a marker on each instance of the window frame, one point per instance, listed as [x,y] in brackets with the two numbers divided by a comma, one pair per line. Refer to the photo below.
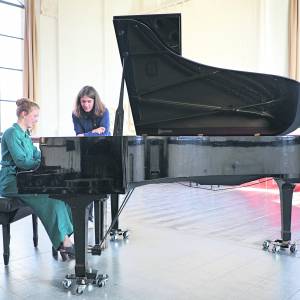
[21,5]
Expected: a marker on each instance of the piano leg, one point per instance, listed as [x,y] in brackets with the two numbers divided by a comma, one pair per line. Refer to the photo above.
[83,274]
[116,231]
[80,219]
[286,196]
[286,190]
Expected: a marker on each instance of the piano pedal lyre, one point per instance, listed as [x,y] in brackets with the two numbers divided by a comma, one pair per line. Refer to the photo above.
[95,250]
[277,245]
[92,277]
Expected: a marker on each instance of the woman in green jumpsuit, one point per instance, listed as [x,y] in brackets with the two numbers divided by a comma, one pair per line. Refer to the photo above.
[19,153]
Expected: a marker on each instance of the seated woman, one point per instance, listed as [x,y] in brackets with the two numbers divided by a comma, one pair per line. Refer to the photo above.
[19,153]
[90,116]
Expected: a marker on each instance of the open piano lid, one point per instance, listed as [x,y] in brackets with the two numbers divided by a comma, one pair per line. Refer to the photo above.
[171,95]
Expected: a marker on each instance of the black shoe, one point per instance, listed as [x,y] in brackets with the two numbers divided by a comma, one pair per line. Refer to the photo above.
[54,253]
[66,252]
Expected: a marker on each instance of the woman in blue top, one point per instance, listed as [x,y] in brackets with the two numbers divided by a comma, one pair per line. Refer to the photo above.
[90,116]
[19,153]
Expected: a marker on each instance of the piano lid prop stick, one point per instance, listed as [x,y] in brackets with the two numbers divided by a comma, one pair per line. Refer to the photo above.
[119,119]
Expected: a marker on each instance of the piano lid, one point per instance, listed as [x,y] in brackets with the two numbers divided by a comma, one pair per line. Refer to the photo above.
[171,95]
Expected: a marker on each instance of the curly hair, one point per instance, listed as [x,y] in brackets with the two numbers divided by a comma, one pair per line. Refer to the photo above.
[26,105]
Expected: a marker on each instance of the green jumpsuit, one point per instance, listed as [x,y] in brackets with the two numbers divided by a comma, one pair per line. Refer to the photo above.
[19,153]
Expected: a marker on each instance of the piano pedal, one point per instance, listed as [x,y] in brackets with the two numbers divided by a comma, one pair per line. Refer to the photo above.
[115,233]
[92,277]
[277,245]
[95,250]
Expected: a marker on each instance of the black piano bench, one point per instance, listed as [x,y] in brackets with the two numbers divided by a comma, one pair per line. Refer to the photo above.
[11,210]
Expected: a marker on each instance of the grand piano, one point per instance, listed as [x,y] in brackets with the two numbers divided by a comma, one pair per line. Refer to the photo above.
[193,122]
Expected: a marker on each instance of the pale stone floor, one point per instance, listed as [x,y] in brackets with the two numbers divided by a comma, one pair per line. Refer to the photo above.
[185,243]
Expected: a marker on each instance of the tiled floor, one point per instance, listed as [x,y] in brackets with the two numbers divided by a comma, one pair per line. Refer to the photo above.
[185,243]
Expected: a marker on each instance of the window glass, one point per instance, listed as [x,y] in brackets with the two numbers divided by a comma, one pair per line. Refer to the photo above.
[11,84]
[11,59]
[11,20]
[8,114]
[11,53]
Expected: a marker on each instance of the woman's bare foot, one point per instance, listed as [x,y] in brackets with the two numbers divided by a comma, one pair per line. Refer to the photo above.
[67,242]
[71,237]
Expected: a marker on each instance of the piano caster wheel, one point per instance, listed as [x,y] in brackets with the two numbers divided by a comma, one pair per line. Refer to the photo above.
[279,245]
[80,289]
[92,277]
[126,234]
[293,248]
[119,232]
[113,236]
[275,249]
[66,283]
[101,280]
[266,245]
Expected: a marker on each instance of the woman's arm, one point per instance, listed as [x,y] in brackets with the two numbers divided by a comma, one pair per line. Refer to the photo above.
[77,126]
[21,159]
[36,153]
[103,129]
[105,122]
[79,130]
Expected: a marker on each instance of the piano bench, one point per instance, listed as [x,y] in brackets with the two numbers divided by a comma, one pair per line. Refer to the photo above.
[12,210]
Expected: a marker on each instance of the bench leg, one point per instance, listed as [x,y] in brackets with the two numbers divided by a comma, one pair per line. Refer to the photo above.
[6,242]
[35,230]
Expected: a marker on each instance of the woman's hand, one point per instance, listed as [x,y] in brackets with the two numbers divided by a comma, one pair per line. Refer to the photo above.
[99,130]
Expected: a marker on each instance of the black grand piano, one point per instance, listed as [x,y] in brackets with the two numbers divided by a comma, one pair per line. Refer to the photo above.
[193,122]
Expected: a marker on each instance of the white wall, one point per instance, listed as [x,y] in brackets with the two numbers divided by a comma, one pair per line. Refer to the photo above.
[221,33]
[72,55]
[80,40]
[48,101]
[113,67]
[274,37]
[248,35]
[78,47]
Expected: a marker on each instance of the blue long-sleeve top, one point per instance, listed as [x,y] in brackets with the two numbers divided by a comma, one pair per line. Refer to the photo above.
[87,122]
